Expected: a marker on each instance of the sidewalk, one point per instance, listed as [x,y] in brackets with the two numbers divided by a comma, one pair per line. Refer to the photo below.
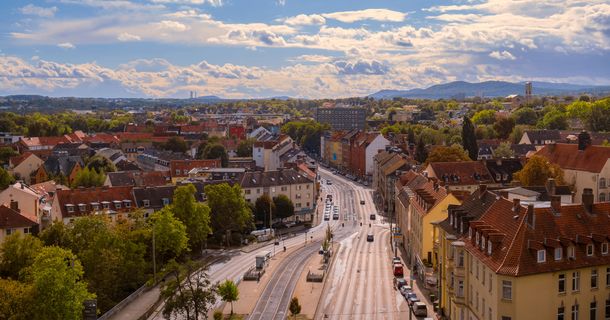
[418,286]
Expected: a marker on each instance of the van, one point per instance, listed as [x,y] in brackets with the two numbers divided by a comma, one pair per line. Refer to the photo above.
[420,309]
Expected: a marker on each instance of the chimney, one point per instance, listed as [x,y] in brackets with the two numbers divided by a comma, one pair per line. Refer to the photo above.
[15,205]
[556,203]
[516,204]
[551,186]
[584,140]
[587,199]
[482,190]
[530,215]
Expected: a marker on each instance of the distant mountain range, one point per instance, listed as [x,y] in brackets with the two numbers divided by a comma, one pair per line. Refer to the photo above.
[459,89]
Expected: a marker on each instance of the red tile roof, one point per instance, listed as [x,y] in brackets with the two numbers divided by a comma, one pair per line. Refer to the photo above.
[91,196]
[10,218]
[133,136]
[44,141]
[567,156]
[16,160]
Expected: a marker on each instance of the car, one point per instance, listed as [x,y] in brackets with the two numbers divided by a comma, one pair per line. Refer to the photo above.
[404,290]
[396,260]
[370,238]
[326,217]
[419,309]
[412,298]
[372,216]
[328,182]
[399,282]
[362,202]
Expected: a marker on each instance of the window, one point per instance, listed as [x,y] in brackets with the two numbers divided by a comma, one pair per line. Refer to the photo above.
[489,247]
[491,277]
[607,312]
[461,259]
[165,201]
[9,232]
[607,277]
[26,230]
[258,190]
[82,207]
[70,208]
[602,197]
[177,172]
[507,290]
[117,204]
[594,279]
[283,188]
[106,205]
[127,204]
[489,314]
[605,248]
[575,280]
[541,256]
[483,307]
[602,182]
[506,318]
[571,252]
[247,191]
[560,313]
[561,283]
[146,203]
[460,290]
[477,270]
[483,276]
[558,253]
[297,205]
[590,249]
[575,311]
[483,243]
[593,310]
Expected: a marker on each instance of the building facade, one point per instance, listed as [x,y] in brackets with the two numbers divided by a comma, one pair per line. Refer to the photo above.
[341,117]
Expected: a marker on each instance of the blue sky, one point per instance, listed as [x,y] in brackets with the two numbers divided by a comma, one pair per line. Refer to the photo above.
[298,48]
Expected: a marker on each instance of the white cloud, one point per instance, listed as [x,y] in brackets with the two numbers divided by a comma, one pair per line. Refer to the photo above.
[33,10]
[66,45]
[113,4]
[214,3]
[367,14]
[281,2]
[304,19]
[170,25]
[126,37]
[502,55]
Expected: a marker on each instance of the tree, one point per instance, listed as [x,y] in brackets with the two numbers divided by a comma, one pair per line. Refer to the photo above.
[5,154]
[6,179]
[295,307]
[15,299]
[284,206]
[504,151]
[216,151]
[194,215]
[263,206]
[469,139]
[411,136]
[600,116]
[228,292]
[421,154]
[484,117]
[555,120]
[306,133]
[57,234]
[537,171]
[525,115]
[88,178]
[504,126]
[175,144]
[244,148]
[190,297]
[57,289]
[100,164]
[230,211]
[171,238]
[448,154]
[16,253]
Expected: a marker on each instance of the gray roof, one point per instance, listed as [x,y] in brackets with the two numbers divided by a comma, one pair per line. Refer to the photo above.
[273,178]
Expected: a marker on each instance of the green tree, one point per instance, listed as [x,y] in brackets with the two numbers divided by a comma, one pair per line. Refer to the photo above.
[469,139]
[228,292]
[58,291]
[600,116]
[448,154]
[525,115]
[5,154]
[15,299]
[579,110]
[484,117]
[295,307]
[306,133]
[504,126]
[16,253]
[284,206]
[88,178]
[216,151]
[411,136]
[263,206]
[170,234]
[504,151]
[194,215]
[421,153]
[6,179]
[537,171]
[175,144]
[188,297]
[230,211]
[100,164]
[57,234]
[554,119]
[244,148]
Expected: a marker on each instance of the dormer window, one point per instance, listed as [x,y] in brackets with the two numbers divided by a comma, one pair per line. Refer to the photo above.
[477,238]
[146,203]
[558,253]
[571,252]
[590,249]
[483,243]
[498,176]
[127,203]
[117,204]
[70,207]
[541,256]
[95,206]
[489,247]
[605,248]
[165,201]
[82,207]
[469,233]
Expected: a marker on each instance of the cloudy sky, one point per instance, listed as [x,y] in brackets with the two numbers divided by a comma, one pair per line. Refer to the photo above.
[297,48]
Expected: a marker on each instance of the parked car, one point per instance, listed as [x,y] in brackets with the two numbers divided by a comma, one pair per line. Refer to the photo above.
[411,298]
[404,290]
[419,309]
[399,282]
[396,260]
[362,202]
[328,182]
[370,238]
[372,216]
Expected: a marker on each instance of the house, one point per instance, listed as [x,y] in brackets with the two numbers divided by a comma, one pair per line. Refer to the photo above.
[131,150]
[347,144]
[40,146]
[232,175]
[11,222]
[116,202]
[540,195]
[332,151]
[540,138]
[28,200]
[242,162]
[59,166]
[585,166]
[267,154]
[153,160]
[113,155]
[372,144]
[179,169]
[298,187]
[389,172]
[23,166]
[79,149]
[404,186]
[502,170]
[461,175]
[137,178]
[151,199]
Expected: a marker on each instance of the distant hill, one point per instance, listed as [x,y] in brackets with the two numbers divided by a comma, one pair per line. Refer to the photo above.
[489,89]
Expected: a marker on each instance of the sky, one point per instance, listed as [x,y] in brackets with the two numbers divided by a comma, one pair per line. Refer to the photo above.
[296,48]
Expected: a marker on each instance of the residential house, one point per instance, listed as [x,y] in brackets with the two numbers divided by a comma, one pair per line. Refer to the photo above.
[389,173]
[347,145]
[27,200]
[585,166]
[539,138]
[332,151]
[40,146]
[373,143]
[461,175]
[79,149]
[59,166]
[502,170]
[217,174]
[179,169]
[539,195]
[23,166]
[116,202]
[405,184]
[131,150]
[153,160]
[151,199]
[242,162]
[11,222]
[267,154]
[137,178]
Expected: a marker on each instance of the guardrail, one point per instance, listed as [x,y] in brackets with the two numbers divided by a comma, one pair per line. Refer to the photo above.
[119,306]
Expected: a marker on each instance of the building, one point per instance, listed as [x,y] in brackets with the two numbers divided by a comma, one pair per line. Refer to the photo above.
[131,150]
[585,166]
[297,186]
[24,166]
[116,202]
[540,138]
[502,170]
[179,169]
[153,160]
[461,175]
[11,222]
[59,166]
[266,154]
[137,178]
[342,117]
[389,172]
[151,199]
[217,174]
[27,200]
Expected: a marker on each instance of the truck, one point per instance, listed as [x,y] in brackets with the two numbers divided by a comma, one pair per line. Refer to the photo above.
[398,270]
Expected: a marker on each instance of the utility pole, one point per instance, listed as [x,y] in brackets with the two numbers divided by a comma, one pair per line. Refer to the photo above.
[154,256]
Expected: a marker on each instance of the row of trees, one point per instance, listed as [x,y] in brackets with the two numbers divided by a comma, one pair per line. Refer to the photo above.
[56,124]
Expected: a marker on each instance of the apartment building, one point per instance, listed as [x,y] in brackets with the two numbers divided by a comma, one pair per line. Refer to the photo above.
[342,117]
[465,176]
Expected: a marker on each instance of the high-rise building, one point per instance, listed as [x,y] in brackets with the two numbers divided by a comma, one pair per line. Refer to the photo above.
[342,117]
[528,91]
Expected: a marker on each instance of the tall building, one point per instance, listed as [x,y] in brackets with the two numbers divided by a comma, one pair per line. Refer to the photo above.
[342,117]
[528,91]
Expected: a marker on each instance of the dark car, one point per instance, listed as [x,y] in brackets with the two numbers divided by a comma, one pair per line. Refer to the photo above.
[361,201]
[373,216]
[370,238]
[399,282]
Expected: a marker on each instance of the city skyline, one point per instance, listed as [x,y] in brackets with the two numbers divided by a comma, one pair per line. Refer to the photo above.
[309,49]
